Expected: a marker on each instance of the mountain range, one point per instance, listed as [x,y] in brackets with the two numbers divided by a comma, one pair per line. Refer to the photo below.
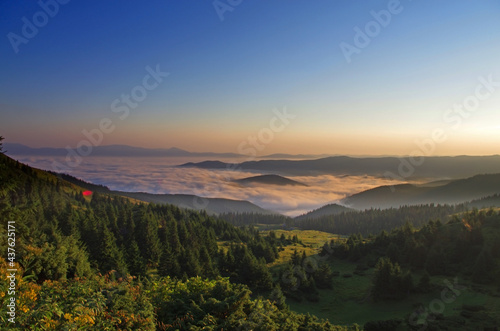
[448,186]
[113,150]
[390,167]
[132,151]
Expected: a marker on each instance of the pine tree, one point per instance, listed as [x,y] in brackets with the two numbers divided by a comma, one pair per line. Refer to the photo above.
[111,257]
[483,268]
[206,263]
[424,284]
[389,281]
[295,259]
[169,265]
[173,238]
[323,276]
[278,298]
[303,257]
[191,264]
[136,264]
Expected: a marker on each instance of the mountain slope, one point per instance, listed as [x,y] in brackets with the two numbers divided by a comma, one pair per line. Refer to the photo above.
[456,191]
[210,205]
[327,210]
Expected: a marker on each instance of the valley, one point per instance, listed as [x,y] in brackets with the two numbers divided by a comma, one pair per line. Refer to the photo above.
[326,262]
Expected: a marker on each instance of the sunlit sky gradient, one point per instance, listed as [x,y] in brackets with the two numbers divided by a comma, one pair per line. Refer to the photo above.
[226,77]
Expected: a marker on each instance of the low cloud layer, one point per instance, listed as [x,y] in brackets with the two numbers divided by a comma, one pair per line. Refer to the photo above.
[158,175]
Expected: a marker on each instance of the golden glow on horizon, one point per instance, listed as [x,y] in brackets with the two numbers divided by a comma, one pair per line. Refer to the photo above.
[300,137]
[300,144]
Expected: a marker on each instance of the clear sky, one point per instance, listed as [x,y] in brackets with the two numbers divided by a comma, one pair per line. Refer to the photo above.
[355,86]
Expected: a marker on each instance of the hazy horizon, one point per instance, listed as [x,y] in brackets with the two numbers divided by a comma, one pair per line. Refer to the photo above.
[242,157]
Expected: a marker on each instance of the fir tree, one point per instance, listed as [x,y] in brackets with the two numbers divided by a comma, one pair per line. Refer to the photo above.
[278,298]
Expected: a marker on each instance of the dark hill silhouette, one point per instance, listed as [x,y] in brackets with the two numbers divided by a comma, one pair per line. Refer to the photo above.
[269,180]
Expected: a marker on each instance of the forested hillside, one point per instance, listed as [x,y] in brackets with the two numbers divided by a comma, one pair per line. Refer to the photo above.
[405,263]
[373,221]
[97,261]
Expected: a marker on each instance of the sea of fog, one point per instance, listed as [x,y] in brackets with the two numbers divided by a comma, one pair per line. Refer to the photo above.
[160,175]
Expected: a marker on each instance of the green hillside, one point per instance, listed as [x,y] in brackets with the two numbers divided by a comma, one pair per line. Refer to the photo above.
[213,206]
[102,262]
[327,210]
[444,276]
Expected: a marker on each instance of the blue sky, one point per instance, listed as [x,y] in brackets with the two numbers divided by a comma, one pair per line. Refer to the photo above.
[226,76]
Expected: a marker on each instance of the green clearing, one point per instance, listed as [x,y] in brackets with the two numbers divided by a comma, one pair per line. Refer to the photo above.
[349,300]
[312,241]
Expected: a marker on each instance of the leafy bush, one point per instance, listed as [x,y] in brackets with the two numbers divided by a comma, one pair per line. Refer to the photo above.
[97,303]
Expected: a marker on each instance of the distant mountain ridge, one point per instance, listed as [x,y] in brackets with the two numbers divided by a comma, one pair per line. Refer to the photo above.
[294,156]
[389,167]
[132,151]
[113,150]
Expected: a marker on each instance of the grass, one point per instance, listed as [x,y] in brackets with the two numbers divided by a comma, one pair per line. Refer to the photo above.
[311,240]
[349,300]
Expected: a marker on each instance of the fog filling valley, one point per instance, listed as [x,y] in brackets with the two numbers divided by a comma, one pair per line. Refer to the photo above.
[161,176]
